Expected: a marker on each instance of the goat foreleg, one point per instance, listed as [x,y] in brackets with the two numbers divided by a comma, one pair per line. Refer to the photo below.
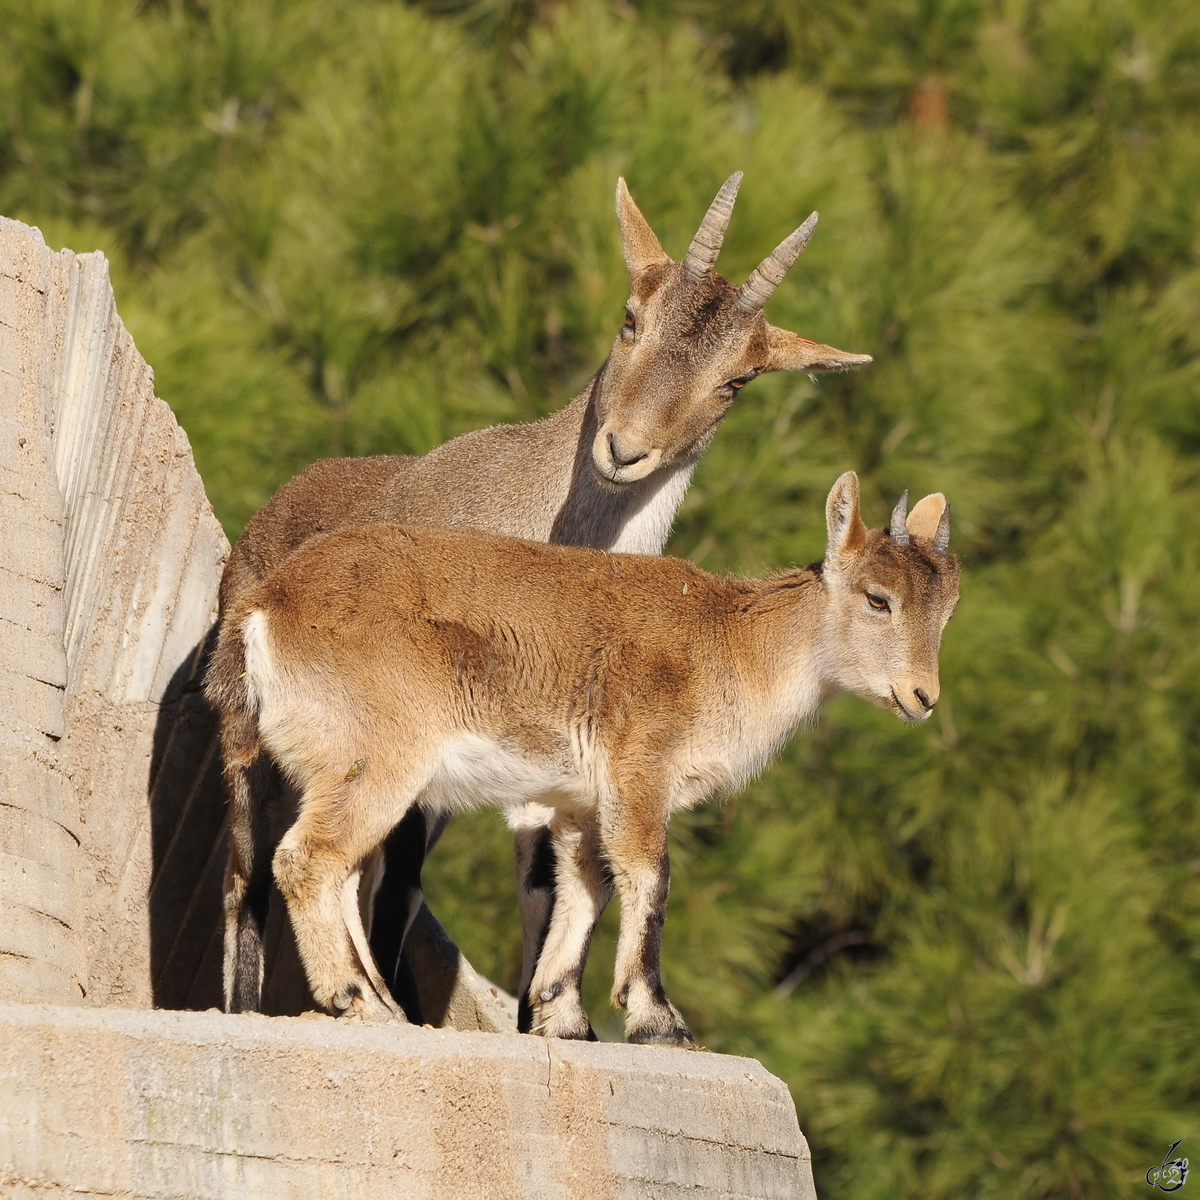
[536,869]
[635,841]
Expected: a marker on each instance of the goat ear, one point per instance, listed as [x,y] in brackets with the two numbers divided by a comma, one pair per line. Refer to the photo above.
[925,516]
[638,242]
[845,531]
[790,352]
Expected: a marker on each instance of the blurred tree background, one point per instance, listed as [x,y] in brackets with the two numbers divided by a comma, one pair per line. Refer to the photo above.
[973,948]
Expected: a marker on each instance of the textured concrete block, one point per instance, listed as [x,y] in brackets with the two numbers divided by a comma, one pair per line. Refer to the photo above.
[39,557]
[25,828]
[36,652]
[40,947]
[30,884]
[204,1106]
[9,341]
[39,704]
[110,558]
[8,307]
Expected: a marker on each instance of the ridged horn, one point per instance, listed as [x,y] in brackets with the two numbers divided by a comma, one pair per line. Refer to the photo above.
[706,245]
[753,295]
[941,539]
[899,529]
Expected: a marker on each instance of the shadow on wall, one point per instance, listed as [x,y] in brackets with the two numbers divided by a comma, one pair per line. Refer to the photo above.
[189,834]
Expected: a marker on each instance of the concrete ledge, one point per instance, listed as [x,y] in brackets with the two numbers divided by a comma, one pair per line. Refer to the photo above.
[122,1102]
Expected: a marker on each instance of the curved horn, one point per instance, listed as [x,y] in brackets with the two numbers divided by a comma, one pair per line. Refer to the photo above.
[899,529]
[941,539]
[706,245]
[753,295]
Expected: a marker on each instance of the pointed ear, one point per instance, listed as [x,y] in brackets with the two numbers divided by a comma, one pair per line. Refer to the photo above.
[925,516]
[790,352]
[844,529]
[638,243]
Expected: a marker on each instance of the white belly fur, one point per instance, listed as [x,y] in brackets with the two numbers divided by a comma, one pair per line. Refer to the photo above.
[473,771]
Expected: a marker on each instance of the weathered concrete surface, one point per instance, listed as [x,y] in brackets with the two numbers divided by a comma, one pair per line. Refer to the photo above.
[112,814]
[41,864]
[108,575]
[121,1103]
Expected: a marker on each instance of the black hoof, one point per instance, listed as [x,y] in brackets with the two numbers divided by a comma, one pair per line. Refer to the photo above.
[681,1038]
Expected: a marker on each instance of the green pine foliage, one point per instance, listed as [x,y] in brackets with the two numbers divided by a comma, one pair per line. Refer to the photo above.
[972,948]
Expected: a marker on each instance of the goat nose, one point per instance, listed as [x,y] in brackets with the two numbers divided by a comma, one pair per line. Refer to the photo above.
[626,460]
[922,695]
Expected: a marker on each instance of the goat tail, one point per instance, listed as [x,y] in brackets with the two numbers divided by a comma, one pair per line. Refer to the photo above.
[250,782]
[227,684]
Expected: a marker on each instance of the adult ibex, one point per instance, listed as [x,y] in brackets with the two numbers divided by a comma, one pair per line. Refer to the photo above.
[608,471]
[391,666]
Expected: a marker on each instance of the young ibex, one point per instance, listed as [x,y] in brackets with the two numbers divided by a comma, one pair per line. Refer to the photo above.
[393,666]
[608,471]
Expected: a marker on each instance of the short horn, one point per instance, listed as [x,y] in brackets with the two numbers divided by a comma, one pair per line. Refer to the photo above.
[899,529]
[706,245]
[753,295]
[941,539]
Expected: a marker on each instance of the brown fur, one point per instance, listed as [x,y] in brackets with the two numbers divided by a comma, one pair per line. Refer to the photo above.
[609,470]
[393,665]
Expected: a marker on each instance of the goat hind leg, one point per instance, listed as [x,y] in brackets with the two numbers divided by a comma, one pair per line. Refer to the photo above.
[251,783]
[582,889]
[318,872]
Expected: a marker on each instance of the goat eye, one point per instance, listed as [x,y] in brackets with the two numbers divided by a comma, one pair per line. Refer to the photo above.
[878,603]
[629,321]
[736,385]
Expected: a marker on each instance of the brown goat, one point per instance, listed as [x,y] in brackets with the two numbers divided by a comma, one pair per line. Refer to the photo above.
[609,471]
[391,666]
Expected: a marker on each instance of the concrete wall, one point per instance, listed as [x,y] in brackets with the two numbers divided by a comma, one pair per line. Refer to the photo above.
[201,1105]
[41,864]
[109,568]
